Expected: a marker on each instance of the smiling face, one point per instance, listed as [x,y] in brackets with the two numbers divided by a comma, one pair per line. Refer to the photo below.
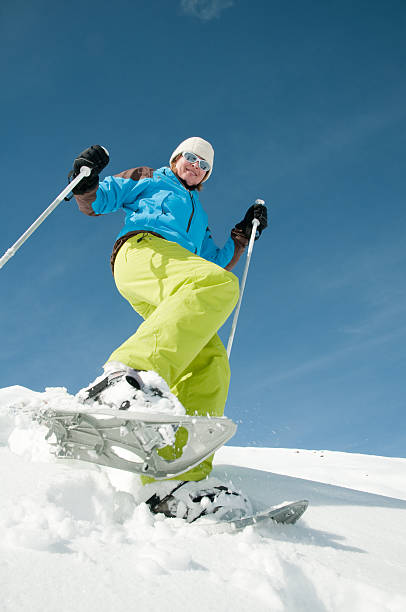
[191,174]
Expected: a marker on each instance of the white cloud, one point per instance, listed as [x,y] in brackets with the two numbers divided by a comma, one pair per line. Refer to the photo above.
[205,9]
[321,363]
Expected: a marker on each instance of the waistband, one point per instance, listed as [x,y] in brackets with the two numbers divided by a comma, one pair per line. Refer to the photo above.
[119,243]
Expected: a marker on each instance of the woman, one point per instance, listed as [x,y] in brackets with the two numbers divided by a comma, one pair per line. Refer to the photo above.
[167,266]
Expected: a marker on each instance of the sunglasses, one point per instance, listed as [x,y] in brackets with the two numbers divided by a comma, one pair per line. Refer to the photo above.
[192,159]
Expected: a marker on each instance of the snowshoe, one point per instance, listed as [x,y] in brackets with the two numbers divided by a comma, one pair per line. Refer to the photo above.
[134,441]
[287,513]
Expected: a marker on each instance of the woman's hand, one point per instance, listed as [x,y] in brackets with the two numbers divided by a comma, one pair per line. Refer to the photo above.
[256,211]
[96,158]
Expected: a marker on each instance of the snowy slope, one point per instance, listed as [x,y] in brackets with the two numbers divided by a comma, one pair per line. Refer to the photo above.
[72,537]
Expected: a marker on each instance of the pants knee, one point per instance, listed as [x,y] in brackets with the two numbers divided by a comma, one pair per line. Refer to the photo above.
[234,288]
[221,285]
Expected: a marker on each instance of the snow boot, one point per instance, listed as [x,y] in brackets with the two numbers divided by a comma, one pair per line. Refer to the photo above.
[123,388]
[191,500]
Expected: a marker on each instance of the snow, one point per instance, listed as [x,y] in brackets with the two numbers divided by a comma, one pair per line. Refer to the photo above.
[74,536]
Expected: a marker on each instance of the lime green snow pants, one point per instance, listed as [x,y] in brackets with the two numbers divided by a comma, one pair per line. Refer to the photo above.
[183,300]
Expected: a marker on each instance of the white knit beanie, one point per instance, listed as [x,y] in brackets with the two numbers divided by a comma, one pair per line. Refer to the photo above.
[198,146]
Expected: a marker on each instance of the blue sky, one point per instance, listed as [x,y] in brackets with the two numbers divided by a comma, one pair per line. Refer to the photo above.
[304,103]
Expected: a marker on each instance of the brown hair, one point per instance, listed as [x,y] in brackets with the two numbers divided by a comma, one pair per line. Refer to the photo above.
[198,187]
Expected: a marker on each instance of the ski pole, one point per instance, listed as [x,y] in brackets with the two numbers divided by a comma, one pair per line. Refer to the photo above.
[84,171]
[255,224]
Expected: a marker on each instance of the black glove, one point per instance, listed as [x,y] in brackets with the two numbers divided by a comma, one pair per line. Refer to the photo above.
[256,211]
[96,158]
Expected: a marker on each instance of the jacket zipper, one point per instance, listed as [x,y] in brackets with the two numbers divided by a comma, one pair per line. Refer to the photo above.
[193,205]
[193,212]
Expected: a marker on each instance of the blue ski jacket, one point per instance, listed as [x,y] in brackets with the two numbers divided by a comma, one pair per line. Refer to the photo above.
[158,202]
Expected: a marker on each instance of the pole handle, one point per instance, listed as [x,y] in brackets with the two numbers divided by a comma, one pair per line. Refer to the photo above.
[84,172]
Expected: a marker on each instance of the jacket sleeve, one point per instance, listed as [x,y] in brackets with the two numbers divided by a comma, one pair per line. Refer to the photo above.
[221,257]
[240,242]
[114,191]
